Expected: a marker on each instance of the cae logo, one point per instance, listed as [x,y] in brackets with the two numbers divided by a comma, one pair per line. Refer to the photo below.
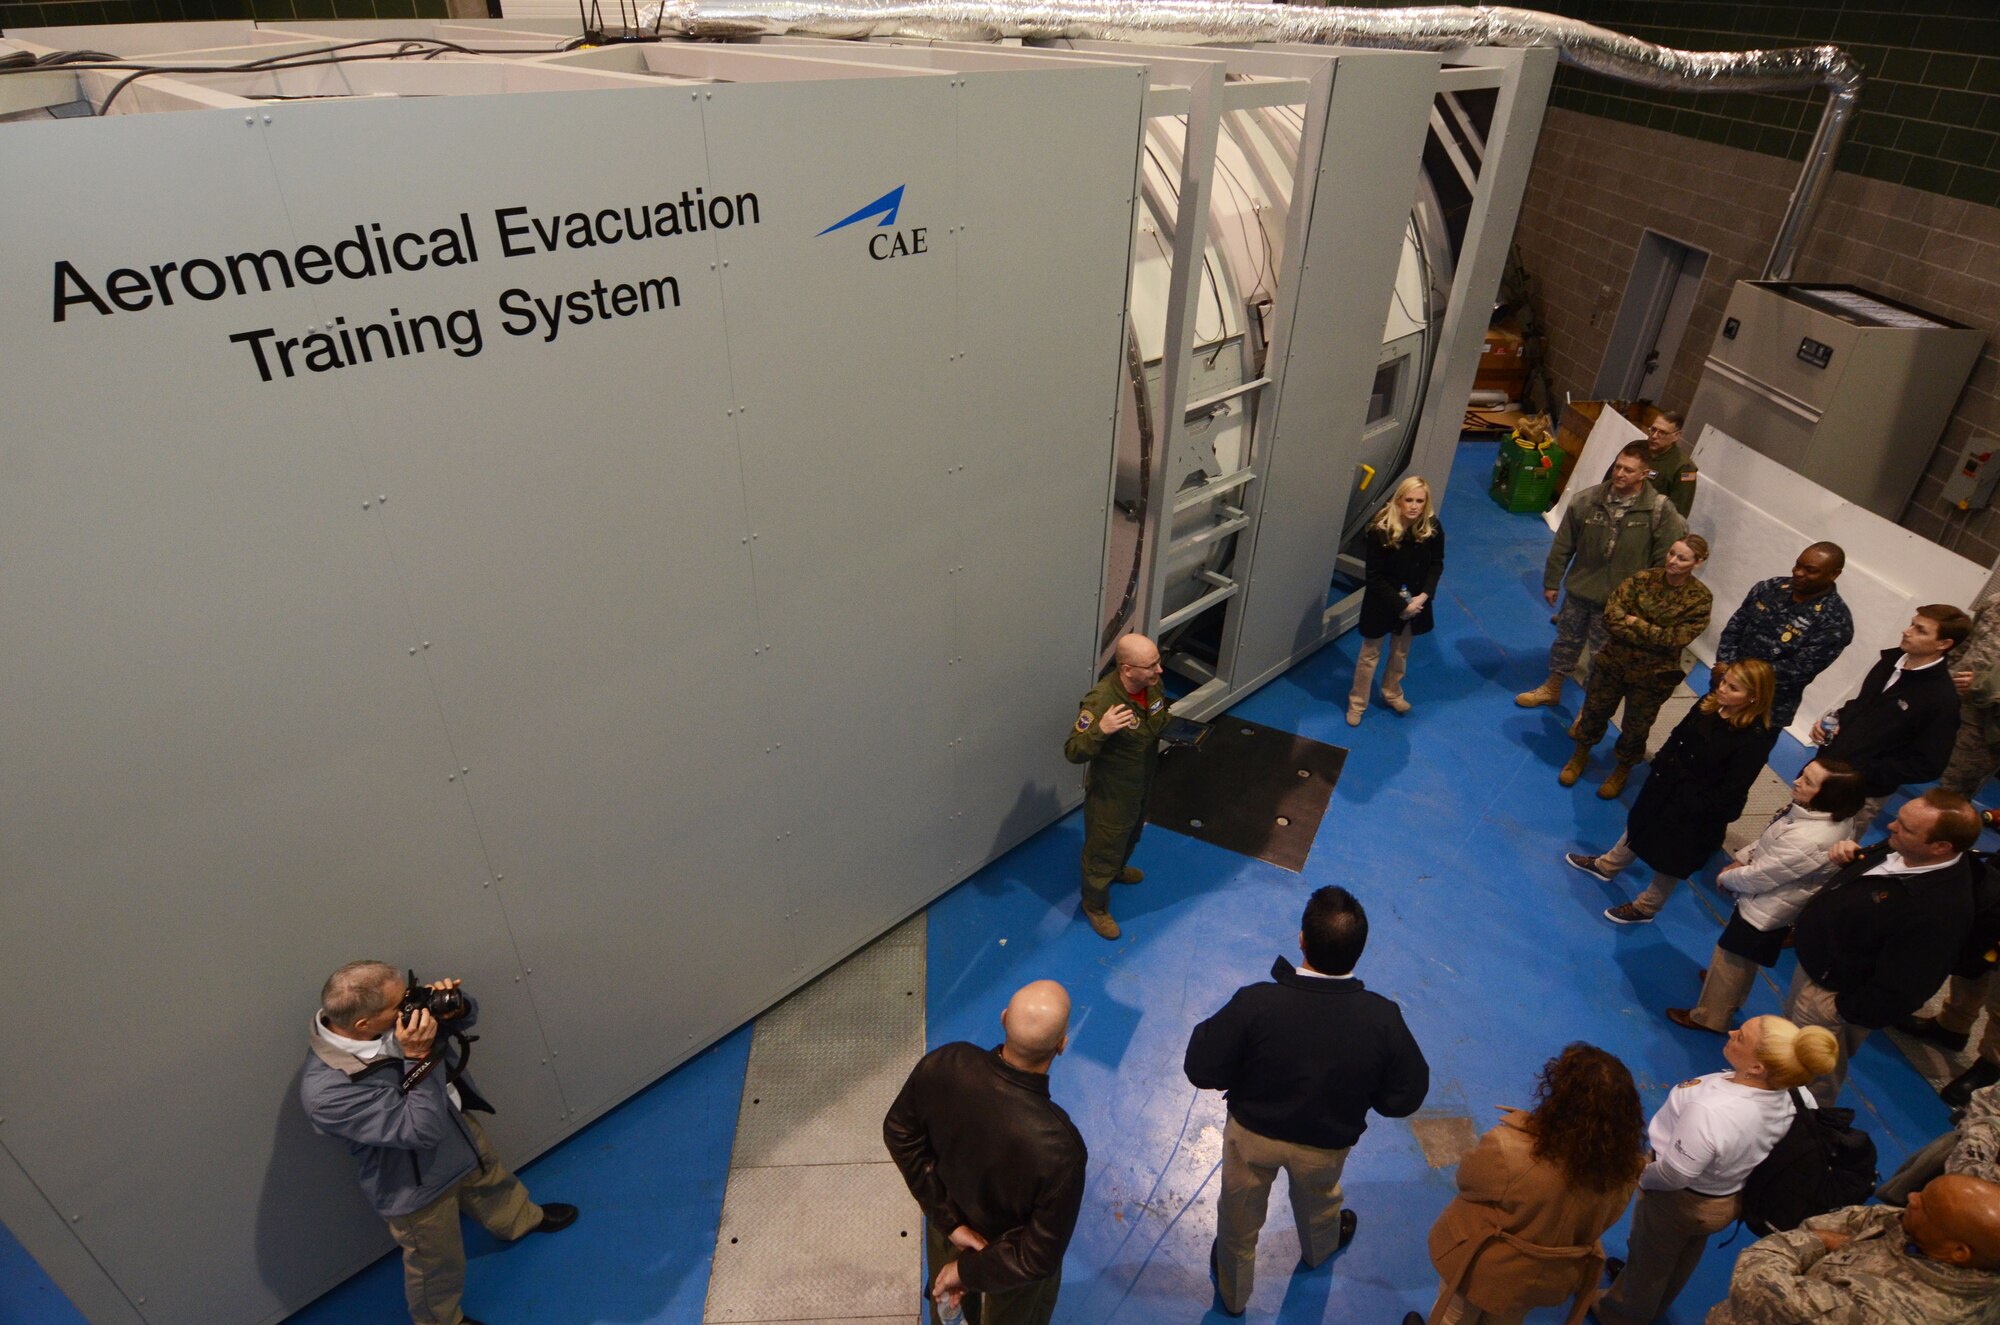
[902,244]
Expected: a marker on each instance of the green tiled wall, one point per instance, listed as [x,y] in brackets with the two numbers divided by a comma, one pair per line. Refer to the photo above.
[1930,112]
[68,13]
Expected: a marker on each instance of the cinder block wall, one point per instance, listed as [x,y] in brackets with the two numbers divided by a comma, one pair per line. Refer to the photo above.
[1910,213]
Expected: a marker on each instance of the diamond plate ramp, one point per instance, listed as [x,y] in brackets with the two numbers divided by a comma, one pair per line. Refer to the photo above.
[816,1225]
[816,1242]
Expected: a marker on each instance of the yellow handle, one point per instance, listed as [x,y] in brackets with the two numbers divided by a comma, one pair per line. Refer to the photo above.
[1367,477]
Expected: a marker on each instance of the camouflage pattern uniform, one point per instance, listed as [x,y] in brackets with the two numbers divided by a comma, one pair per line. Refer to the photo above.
[1976,754]
[1876,1279]
[1640,664]
[1600,542]
[1799,640]
[1971,1150]
[1115,786]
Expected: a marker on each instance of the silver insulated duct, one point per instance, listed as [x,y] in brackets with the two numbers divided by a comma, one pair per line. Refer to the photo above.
[1431,27]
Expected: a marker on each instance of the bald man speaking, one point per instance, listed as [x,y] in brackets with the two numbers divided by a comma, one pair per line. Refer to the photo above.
[1118,735]
[1936,1262]
[996,1164]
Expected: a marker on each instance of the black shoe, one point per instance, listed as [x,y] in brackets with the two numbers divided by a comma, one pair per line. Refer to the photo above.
[1413,1318]
[1613,1267]
[467,1320]
[1348,1221]
[1927,1028]
[1977,1077]
[555,1218]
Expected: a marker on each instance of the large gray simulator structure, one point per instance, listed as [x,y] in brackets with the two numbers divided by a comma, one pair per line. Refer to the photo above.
[626,525]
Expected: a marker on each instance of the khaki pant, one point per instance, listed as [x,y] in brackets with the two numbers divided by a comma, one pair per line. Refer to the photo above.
[1657,892]
[1392,676]
[1452,1309]
[1250,1163]
[434,1247]
[1726,989]
[1962,1000]
[1030,1304]
[1807,1004]
[1670,1230]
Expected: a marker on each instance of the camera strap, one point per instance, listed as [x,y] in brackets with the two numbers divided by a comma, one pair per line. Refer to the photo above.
[423,1067]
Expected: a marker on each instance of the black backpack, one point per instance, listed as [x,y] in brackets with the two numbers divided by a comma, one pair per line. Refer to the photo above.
[1821,1163]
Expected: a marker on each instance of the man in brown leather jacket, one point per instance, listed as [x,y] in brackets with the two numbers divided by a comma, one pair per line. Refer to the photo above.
[996,1164]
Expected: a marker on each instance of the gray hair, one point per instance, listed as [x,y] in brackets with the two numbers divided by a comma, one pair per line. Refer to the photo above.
[355,991]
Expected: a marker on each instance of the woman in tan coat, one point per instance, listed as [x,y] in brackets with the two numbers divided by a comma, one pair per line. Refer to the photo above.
[1535,1195]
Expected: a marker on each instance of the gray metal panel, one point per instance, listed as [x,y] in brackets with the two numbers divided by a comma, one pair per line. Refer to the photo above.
[1366,177]
[233,764]
[1034,426]
[225,773]
[840,364]
[578,572]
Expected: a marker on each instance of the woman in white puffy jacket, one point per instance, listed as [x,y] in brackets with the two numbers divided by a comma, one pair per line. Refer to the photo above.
[1771,881]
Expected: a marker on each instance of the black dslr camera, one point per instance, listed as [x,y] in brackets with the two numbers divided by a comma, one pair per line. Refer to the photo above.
[443,1004]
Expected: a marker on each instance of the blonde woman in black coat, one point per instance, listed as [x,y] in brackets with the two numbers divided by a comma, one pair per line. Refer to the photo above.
[1404,558]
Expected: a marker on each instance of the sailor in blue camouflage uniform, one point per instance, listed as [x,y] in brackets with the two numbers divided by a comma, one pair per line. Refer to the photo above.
[1796,623]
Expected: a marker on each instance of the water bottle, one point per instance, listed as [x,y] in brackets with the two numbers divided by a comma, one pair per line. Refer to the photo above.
[951,1313]
[1830,724]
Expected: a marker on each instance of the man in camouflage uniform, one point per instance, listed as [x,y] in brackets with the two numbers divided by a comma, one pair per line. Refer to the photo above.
[1938,1262]
[1972,1148]
[1650,618]
[1796,623]
[1117,734]
[1608,533]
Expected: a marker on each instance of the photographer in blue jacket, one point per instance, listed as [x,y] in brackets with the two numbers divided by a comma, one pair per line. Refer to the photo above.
[380,1076]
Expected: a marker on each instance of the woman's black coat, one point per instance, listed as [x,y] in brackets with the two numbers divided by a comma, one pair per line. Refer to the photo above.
[1412,564]
[1699,782]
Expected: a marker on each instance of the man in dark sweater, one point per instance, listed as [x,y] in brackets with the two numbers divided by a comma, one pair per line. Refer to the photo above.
[1901,726]
[995,1164]
[1303,1059]
[1878,940]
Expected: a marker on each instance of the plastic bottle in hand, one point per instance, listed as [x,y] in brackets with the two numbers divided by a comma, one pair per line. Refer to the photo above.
[950,1312]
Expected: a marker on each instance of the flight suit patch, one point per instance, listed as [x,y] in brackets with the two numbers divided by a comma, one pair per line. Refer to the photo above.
[1083,721]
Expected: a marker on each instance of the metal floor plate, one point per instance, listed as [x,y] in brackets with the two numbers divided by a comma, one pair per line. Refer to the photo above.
[816,1223]
[816,1242]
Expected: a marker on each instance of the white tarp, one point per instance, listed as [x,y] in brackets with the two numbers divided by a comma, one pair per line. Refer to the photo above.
[1758,516]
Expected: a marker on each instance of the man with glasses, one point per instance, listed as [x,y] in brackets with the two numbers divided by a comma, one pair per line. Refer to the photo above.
[1672,471]
[1117,734]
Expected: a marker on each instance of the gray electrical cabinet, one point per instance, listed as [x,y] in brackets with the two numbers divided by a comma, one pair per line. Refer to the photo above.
[1848,388]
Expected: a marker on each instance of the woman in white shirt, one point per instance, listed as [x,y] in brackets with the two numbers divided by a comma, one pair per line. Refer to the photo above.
[1772,880]
[1706,1138]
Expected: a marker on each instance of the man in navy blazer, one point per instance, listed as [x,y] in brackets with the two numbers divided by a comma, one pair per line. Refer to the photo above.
[1303,1058]
[1900,727]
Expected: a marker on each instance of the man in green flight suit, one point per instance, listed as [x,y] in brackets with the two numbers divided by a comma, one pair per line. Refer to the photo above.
[1118,735]
[1672,471]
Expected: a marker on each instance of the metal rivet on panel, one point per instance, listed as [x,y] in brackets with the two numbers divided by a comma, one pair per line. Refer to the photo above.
[725,262]
[364,506]
[427,644]
[267,119]
[413,650]
[383,497]
[250,120]
[451,777]
[465,770]
[499,876]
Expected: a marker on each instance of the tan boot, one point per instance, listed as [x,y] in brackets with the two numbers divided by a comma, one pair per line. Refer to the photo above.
[1574,768]
[1101,921]
[1130,874]
[1548,692]
[1609,788]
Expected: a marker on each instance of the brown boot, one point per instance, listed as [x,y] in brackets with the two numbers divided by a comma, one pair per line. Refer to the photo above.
[1101,921]
[1609,788]
[1548,692]
[1574,768]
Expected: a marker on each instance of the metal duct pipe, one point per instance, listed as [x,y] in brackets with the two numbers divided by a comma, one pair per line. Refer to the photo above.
[1432,27]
